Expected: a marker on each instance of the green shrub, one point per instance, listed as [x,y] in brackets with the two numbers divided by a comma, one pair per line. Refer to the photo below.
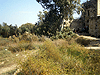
[66,33]
[28,37]
[85,61]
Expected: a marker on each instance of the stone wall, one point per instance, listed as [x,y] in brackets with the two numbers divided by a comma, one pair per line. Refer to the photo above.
[88,18]
[75,24]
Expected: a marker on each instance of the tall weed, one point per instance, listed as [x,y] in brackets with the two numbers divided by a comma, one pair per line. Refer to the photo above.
[62,57]
[21,46]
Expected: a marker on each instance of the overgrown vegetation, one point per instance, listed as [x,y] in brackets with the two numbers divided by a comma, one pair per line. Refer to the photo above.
[55,57]
[45,48]
[66,33]
[61,57]
[25,42]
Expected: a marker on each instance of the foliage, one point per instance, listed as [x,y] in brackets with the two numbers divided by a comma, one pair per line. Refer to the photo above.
[26,27]
[57,12]
[43,63]
[21,46]
[25,42]
[42,38]
[6,58]
[31,37]
[61,57]
[9,30]
[4,41]
[34,37]
[64,8]
[66,33]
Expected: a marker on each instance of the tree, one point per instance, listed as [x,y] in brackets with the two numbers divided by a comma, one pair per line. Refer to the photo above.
[26,27]
[64,8]
[41,16]
[0,29]
[58,10]
[5,30]
[13,30]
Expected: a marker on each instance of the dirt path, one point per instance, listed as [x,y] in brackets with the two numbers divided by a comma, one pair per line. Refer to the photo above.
[95,48]
[7,69]
[12,67]
[89,37]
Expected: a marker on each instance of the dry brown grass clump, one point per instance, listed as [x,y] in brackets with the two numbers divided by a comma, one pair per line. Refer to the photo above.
[46,62]
[4,42]
[58,57]
[21,46]
[62,57]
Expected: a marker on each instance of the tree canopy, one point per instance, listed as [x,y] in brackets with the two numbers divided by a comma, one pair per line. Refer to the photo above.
[64,8]
[58,10]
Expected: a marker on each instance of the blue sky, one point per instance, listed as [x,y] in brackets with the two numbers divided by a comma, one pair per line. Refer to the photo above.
[20,11]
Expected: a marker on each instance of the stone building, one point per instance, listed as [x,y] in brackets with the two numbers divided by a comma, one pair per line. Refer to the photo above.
[76,23]
[89,18]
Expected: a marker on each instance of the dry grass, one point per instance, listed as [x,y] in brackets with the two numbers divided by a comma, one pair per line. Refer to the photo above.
[6,58]
[57,57]
[62,57]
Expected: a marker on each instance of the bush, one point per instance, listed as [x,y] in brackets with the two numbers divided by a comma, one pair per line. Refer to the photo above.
[66,33]
[4,42]
[42,38]
[35,38]
[28,37]
[21,46]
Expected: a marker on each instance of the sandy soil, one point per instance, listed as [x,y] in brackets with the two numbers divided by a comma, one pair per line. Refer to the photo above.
[7,69]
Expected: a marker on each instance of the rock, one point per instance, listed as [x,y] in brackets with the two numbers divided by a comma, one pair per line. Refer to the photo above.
[5,49]
[17,54]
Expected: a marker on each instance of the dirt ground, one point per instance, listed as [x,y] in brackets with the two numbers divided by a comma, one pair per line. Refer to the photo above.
[6,69]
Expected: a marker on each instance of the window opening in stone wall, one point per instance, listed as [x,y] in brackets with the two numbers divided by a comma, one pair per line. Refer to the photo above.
[88,13]
[87,21]
[96,26]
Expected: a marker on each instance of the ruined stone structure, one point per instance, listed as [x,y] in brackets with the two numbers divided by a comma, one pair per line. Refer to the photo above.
[76,23]
[89,18]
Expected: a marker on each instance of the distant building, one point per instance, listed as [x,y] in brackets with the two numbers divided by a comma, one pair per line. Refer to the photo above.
[90,18]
